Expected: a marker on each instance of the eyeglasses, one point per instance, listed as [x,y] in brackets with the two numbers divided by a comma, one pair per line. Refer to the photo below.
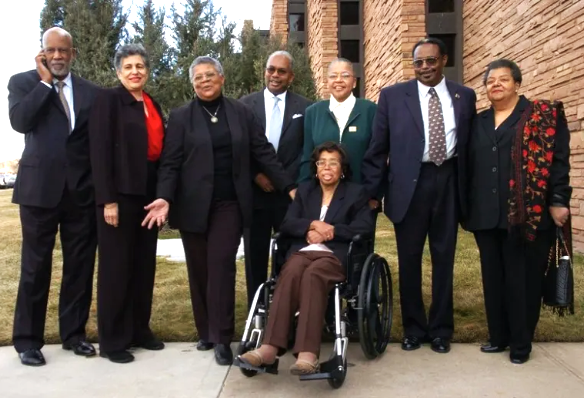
[430,61]
[272,70]
[344,76]
[330,163]
[204,76]
[51,50]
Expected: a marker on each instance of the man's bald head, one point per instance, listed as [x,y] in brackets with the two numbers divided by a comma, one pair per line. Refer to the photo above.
[59,52]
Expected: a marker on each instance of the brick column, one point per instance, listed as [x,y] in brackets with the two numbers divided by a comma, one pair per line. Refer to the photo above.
[322,41]
[546,39]
[279,19]
[390,31]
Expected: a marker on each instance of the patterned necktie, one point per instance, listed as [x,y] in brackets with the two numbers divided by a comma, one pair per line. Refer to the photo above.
[275,125]
[64,102]
[437,131]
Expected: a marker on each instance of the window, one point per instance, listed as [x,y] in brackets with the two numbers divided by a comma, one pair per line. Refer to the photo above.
[350,50]
[349,13]
[439,6]
[297,22]
[450,41]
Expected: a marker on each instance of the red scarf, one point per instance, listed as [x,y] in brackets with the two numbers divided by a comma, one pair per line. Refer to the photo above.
[532,154]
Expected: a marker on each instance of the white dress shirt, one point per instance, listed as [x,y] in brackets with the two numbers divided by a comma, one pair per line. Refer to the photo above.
[68,91]
[269,103]
[447,112]
[342,111]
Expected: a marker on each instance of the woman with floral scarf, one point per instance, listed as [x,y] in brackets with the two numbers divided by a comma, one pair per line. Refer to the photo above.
[518,192]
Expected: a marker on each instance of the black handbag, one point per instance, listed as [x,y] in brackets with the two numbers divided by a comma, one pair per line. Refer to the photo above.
[559,277]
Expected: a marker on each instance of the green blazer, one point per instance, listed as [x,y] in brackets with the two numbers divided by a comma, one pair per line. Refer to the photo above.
[320,126]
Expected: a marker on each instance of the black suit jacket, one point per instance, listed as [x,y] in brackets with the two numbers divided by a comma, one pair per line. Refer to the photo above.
[487,189]
[348,212]
[398,133]
[119,145]
[52,159]
[290,146]
[185,176]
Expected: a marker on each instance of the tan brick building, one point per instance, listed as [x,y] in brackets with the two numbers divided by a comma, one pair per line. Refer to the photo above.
[544,37]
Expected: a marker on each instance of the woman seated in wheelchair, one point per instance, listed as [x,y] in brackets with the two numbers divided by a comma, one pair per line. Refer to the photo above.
[321,222]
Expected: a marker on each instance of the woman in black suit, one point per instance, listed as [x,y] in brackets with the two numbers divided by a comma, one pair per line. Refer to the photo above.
[126,137]
[518,188]
[205,180]
[322,220]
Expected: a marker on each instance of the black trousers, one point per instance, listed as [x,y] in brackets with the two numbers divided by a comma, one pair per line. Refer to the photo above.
[433,213]
[78,242]
[513,274]
[211,267]
[125,281]
[258,238]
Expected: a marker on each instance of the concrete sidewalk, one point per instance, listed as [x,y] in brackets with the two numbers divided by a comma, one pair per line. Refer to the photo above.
[555,370]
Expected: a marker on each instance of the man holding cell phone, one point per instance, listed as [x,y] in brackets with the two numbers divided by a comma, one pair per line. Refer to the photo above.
[50,106]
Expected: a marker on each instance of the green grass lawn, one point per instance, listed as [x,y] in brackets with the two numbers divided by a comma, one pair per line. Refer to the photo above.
[172,317]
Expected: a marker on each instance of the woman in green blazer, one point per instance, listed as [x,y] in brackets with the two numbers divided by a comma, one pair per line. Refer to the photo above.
[343,119]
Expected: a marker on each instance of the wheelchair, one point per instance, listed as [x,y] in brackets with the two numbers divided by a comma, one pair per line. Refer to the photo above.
[363,307]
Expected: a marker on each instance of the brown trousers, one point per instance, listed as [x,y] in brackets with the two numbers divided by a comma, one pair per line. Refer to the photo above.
[303,285]
[211,267]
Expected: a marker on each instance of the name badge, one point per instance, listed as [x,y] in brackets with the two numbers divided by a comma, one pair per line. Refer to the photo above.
[352,129]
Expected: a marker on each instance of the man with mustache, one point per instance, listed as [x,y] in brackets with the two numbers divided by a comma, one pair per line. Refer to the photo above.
[422,126]
[282,115]
[50,106]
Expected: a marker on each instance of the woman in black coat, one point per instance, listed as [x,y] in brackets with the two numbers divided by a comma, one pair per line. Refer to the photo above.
[518,193]
[126,137]
[205,181]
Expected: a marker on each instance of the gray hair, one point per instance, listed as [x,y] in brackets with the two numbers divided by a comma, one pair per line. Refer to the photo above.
[341,61]
[59,31]
[205,60]
[127,50]
[283,54]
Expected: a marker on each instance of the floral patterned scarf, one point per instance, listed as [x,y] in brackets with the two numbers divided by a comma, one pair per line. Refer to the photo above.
[531,158]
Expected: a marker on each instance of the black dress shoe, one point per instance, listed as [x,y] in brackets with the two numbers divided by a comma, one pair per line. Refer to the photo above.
[203,345]
[519,359]
[491,349]
[117,356]
[153,344]
[81,347]
[32,357]
[411,343]
[223,354]
[440,345]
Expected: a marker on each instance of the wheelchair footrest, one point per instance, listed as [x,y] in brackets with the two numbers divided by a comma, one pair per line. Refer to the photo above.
[271,369]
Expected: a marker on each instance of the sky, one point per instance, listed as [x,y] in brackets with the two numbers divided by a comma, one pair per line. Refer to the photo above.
[21,44]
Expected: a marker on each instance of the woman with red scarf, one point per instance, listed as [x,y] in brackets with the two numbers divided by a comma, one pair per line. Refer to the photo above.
[518,192]
[126,137]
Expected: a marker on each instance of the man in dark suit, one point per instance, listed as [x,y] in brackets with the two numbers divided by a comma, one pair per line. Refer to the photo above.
[281,113]
[54,190]
[422,126]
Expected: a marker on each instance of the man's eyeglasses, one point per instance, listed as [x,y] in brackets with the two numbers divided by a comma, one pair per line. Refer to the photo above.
[344,76]
[51,50]
[430,61]
[204,76]
[272,70]
[329,163]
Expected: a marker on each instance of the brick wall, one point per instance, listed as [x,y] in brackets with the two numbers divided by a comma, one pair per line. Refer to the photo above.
[279,19]
[546,39]
[322,40]
[390,31]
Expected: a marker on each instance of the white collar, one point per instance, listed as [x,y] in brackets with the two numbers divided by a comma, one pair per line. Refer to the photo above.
[68,81]
[440,87]
[268,95]
[334,104]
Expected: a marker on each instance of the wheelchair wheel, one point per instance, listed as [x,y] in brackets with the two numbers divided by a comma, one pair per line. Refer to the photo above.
[375,303]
